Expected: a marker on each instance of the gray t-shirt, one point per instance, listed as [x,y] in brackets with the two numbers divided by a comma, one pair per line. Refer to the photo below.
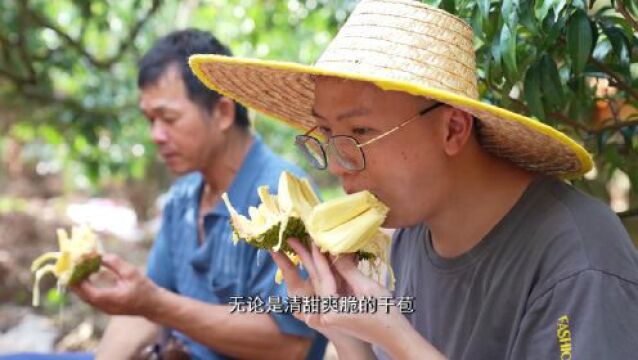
[557,278]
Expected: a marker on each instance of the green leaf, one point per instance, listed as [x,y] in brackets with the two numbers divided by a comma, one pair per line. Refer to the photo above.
[580,4]
[532,92]
[495,49]
[484,9]
[527,17]
[554,29]
[137,169]
[601,140]
[477,25]
[508,51]
[628,133]
[603,48]
[492,26]
[594,32]
[448,5]
[617,22]
[602,10]
[551,85]
[581,102]
[541,8]
[508,11]
[579,41]
[619,43]
[50,134]
[558,6]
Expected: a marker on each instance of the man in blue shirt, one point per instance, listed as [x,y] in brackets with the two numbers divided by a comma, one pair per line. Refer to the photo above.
[194,269]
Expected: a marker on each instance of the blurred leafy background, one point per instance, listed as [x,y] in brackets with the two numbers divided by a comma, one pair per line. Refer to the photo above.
[70,130]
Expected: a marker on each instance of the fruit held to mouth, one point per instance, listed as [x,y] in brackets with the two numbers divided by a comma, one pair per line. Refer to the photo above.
[278,217]
[79,257]
[350,224]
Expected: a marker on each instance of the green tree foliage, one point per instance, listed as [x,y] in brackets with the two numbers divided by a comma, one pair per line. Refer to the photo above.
[67,70]
[573,64]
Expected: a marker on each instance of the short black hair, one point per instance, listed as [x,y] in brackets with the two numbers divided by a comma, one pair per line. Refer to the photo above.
[174,50]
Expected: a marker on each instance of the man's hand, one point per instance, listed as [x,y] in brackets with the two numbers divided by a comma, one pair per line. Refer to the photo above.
[339,276]
[132,293]
[249,336]
[336,277]
[348,347]
[125,338]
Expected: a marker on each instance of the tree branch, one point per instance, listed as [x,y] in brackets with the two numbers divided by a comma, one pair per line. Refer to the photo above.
[565,120]
[135,29]
[22,44]
[628,213]
[71,103]
[614,126]
[582,127]
[16,79]
[622,9]
[4,48]
[555,116]
[40,20]
[77,44]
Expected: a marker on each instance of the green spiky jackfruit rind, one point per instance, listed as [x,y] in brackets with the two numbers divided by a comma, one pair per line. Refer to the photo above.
[294,229]
[88,266]
[364,255]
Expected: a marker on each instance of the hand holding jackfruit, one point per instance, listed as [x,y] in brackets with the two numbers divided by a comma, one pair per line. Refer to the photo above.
[350,224]
[79,257]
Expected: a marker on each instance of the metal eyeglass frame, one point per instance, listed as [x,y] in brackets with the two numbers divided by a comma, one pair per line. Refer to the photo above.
[301,140]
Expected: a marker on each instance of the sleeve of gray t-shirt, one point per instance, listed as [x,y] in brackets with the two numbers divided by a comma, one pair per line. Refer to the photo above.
[587,315]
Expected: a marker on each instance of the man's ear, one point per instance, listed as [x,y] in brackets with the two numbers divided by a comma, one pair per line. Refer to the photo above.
[224,113]
[458,129]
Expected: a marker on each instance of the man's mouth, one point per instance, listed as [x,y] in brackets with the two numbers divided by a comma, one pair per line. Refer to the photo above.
[167,155]
[350,191]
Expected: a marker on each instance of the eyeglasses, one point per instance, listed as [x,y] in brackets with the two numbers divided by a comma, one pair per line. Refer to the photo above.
[347,150]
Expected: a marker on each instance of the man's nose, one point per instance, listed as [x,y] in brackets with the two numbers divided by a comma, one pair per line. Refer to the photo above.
[335,167]
[159,134]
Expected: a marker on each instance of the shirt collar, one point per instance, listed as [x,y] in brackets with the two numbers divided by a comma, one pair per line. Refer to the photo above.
[242,187]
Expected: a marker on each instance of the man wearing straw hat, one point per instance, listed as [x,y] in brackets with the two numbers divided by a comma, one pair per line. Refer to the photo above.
[503,259]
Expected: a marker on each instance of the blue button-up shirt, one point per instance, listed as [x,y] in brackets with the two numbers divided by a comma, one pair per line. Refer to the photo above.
[217,269]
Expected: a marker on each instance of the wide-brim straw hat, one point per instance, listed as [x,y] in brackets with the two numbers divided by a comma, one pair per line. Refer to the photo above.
[399,45]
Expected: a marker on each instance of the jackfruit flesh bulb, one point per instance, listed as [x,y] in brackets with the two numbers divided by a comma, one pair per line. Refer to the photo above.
[278,217]
[79,257]
[350,224]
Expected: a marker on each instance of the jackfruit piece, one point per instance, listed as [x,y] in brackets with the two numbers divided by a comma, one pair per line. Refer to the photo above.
[350,224]
[330,214]
[346,224]
[278,217]
[79,256]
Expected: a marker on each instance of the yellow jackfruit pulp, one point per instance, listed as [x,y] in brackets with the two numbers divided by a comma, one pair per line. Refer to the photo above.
[350,224]
[278,217]
[79,257]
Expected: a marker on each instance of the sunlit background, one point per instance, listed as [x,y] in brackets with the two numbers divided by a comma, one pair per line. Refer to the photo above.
[75,149]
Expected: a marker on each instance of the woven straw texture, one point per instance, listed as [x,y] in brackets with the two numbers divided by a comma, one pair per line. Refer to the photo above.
[399,45]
